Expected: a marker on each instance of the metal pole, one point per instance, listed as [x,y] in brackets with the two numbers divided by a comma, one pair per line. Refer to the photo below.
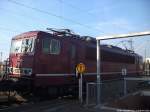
[125,86]
[124,73]
[98,72]
[87,94]
[1,56]
[80,89]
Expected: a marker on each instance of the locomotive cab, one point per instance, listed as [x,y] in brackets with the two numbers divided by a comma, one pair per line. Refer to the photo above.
[21,55]
[36,53]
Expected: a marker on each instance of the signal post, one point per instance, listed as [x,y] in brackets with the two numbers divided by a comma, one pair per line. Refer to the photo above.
[80,69]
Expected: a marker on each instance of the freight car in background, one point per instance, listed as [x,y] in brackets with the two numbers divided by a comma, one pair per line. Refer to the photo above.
[47,60]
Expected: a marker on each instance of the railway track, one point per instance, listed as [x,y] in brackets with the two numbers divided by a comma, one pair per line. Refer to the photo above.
[10,97]
[55,105]
[49,105]
[11,101]
[34,107]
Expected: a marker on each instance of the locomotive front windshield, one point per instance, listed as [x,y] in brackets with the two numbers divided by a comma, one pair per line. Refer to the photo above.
[22,46]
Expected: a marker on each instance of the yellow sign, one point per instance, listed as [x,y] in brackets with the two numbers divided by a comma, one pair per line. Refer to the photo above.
[80,68]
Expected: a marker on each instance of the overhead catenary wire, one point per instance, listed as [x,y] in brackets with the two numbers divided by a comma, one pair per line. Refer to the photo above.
[140,46]
[33,19]
[55,15]
[18,14]
[80,10]
[76,8]
[9,30]
[86,12]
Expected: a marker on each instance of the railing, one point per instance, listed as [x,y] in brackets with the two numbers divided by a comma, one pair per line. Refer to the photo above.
[115,89]
[109,91]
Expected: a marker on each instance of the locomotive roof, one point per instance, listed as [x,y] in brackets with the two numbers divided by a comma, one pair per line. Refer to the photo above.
[118,50]
[26,34]
[108,48]
[33,33]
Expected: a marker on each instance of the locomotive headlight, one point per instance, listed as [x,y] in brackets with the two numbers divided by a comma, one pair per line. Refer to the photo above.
[27,71]
[23,71]
[30,72]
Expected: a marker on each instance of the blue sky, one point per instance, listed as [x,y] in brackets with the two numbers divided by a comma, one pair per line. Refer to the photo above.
[85,17]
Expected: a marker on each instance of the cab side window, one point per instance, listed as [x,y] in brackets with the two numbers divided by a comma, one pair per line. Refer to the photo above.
[46,44]
[54,46]
[51,46]
[73,51]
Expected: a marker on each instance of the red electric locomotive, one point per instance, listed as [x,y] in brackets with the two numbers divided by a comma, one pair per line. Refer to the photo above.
[48,59]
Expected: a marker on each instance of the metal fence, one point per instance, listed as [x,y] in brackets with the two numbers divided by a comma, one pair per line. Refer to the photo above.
[112,90]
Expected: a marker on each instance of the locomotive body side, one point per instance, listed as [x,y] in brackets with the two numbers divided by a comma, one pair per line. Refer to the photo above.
[51,60]
[57,69]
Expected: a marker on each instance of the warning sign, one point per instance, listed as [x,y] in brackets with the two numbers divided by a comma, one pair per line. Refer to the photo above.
[80,68]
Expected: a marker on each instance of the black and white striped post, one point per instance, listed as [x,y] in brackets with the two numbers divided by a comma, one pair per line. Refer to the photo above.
[98,54]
